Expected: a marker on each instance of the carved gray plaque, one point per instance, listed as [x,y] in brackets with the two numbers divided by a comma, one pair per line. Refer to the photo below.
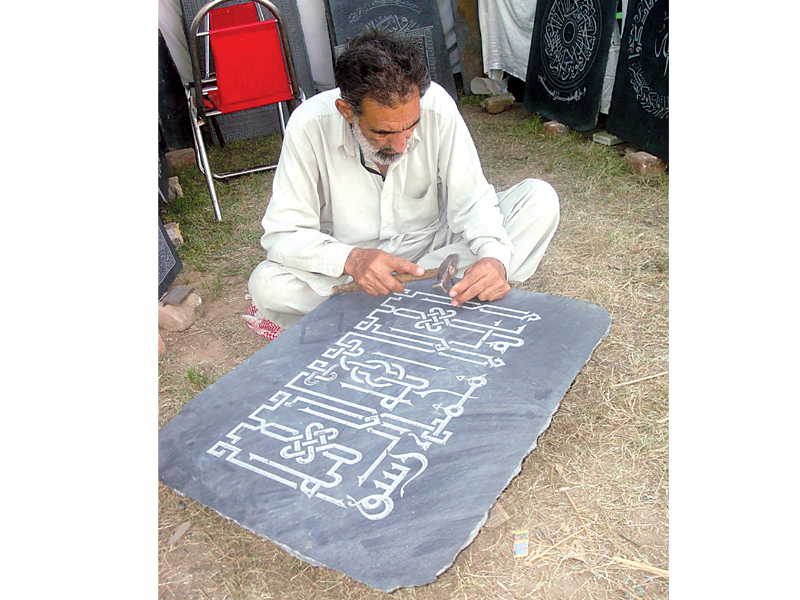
[374,436]
[416,20]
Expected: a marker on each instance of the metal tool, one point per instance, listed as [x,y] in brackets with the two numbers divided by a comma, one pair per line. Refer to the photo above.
[444,277]
[443,274]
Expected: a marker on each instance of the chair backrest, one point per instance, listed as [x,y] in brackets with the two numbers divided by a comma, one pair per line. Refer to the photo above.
[230,16]
[248,59]
[252,62]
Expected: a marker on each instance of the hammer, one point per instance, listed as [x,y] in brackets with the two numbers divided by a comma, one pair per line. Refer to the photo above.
[443,274]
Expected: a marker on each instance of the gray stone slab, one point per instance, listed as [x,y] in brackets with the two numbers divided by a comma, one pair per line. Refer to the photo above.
[417,20]
[169,263]
[374,436]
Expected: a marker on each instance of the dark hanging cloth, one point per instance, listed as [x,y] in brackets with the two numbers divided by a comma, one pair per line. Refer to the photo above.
[639,112]
[173,112]
[567,62]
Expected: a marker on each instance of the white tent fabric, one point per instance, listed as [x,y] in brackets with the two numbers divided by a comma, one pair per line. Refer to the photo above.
[318,44]
[449,28]
[506,31]
[170,23]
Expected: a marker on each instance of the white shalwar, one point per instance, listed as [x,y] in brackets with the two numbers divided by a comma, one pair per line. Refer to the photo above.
[435,201]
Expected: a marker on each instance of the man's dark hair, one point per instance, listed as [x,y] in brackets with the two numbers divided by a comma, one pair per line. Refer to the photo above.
[382,65]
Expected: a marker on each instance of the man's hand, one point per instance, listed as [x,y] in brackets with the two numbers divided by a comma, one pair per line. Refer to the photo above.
[486,279]
[372,270]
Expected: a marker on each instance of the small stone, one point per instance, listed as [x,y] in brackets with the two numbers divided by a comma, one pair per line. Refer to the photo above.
[181,317]
[555,129]
[177,295]
[497,104]
[161,346]
[181,158]
[174,233]
[174,190]
[605,138]
[644,163]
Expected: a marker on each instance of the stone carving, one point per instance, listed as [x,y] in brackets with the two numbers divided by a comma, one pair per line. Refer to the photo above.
[379,419]
[362,385]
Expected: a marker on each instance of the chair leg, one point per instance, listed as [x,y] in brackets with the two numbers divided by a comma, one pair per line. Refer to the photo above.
[282,119]
[209,180]
[203,165]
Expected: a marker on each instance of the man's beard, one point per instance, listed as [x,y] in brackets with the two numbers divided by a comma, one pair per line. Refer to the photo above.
[383,156]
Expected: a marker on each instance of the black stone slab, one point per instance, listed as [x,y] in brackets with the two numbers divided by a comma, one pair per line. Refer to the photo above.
[374,436]
[418,20]
[169,263]
[639,112]
[567,62]
[263,120]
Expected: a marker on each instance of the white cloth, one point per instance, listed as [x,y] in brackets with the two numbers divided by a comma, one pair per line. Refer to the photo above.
[506,32]
[449,31]
[315,34]
[611,70]
[170,23]
[325,203]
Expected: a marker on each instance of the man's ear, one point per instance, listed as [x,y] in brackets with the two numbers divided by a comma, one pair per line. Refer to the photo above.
[345,109]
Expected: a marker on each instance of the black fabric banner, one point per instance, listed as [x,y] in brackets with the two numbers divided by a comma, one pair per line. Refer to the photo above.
[567,63]
[639,112]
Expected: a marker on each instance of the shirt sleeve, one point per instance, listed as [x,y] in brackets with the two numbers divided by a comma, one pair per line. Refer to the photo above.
[472,205]
[292,232]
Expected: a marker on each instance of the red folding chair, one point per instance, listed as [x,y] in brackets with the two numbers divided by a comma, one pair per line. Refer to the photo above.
[247,64]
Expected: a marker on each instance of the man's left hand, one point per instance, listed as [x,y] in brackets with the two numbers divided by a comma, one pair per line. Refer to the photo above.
[486,280]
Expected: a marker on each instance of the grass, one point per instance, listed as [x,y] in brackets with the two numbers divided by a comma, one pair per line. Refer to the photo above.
[599,473]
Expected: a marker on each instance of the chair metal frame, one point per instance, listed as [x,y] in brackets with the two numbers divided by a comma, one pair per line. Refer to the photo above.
[196,93]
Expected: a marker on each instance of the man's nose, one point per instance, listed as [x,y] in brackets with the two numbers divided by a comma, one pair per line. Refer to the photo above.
[399,141]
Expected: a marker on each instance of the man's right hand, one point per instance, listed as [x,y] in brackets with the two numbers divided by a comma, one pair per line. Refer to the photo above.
[372,270]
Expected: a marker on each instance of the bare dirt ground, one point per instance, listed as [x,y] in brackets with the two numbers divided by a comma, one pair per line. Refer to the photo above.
[593,494]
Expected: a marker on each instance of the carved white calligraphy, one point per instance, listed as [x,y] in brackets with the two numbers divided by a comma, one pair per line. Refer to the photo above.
[358,425]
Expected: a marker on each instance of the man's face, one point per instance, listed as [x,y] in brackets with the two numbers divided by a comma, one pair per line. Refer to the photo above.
[383,131]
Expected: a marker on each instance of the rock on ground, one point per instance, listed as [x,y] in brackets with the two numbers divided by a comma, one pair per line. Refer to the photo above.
[180,318]
[644,163]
